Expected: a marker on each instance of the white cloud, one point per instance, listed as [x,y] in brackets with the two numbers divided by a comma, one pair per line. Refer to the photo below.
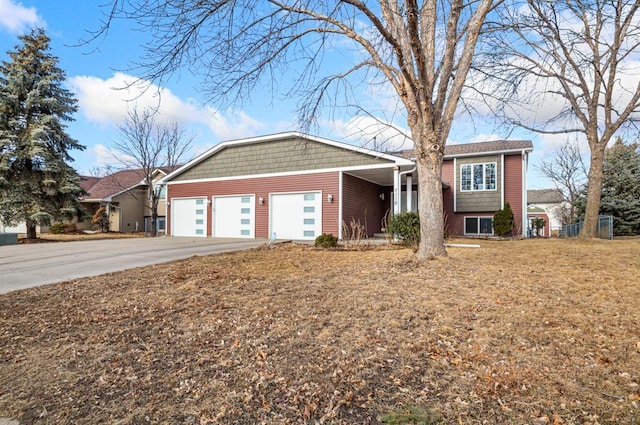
[15,18]
[106,102]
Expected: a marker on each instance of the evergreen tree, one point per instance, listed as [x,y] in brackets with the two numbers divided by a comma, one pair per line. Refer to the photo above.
[503,221]
[621,187]
[37,185]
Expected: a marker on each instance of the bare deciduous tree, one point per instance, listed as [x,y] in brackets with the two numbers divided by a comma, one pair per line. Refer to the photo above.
[576,60]
[422,49]
[568,173]
[146,144]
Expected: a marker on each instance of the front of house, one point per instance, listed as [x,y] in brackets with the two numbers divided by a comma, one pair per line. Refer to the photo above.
[297,186]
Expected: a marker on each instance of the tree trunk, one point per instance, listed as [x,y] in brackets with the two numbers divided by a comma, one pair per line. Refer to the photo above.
[430,205]
[594,193]
[31,231]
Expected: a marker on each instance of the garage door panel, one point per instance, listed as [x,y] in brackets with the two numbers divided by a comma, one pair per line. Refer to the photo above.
[188,217]
[234,216]
[296,215]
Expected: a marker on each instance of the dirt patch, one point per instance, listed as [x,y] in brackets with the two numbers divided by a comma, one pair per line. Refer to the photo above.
[535,331]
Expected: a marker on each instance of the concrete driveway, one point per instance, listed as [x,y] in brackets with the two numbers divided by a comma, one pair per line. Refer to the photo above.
[24,266]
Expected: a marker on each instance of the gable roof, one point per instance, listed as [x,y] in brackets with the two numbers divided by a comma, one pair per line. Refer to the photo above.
[257,155]
[106,187]
[544,196]
[87,182]
[115,183]
[479,148]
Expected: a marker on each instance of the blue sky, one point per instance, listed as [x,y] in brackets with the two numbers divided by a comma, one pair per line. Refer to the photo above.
[97,74]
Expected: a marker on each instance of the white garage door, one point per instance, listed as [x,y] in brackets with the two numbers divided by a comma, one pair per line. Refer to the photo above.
[234,216]
[189,217]
[296,215]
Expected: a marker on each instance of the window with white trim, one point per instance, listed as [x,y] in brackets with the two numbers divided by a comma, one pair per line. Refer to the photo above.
[478,225]
[477,177]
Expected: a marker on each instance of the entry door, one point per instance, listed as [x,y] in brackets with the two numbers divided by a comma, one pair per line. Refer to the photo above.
[296,215]
[188,217]
[234,216]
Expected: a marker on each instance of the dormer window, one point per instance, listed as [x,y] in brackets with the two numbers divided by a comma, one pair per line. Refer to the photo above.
[477,177]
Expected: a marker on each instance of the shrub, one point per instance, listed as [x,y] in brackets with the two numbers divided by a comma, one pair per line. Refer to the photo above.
[538,224]
[406,227]
[326,240]
[58,228]
[101,219]
[503,221]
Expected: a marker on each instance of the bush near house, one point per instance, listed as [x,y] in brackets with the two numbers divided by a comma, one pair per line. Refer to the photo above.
[503,221]
[406,227]
[326,240]
[60,228]
[538,224]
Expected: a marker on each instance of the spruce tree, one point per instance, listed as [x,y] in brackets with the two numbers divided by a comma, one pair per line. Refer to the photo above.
[37,184]
[621,187]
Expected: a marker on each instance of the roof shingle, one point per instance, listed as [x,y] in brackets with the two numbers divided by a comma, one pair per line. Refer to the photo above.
[475,148]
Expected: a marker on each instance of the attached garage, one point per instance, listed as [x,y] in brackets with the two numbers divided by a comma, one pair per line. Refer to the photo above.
[188,217]
[291,184]
[234,216]
[296,215]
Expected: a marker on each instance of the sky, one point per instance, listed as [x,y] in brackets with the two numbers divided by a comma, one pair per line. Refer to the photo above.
[99,72]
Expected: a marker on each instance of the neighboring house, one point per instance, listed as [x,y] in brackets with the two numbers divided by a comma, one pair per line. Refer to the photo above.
[297,186]
[125,196]
[548,204]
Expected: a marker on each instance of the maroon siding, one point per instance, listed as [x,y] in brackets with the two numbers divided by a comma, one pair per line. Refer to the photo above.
[362,203]
[513,189]
[262,187]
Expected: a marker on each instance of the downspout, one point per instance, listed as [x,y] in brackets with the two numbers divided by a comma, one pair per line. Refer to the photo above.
[399,201]
[396,191]
[525,165]
[455,185]
[502,181]
[409,192]
[340,205]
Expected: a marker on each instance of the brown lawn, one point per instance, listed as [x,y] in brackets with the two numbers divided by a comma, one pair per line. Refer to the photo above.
[69,237]
[516,332]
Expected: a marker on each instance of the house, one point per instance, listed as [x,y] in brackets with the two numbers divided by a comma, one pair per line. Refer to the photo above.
[478,180]
[548,204]
[297,186]
[125,196]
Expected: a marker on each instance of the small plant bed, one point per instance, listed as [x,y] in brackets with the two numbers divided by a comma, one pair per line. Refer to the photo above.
[521,332]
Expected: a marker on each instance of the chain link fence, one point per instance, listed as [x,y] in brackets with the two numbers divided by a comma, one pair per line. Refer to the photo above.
[604,231]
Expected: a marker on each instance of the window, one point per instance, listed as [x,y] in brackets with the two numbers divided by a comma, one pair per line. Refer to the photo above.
[161,192]
[478,225]
[478,177]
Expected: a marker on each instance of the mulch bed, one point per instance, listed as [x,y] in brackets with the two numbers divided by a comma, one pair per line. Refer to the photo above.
[534,331]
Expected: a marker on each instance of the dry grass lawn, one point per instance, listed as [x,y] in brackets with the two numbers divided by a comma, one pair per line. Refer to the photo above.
[516,332]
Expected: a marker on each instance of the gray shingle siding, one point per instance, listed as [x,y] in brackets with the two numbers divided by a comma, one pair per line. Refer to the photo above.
[275,157]
[479,201]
